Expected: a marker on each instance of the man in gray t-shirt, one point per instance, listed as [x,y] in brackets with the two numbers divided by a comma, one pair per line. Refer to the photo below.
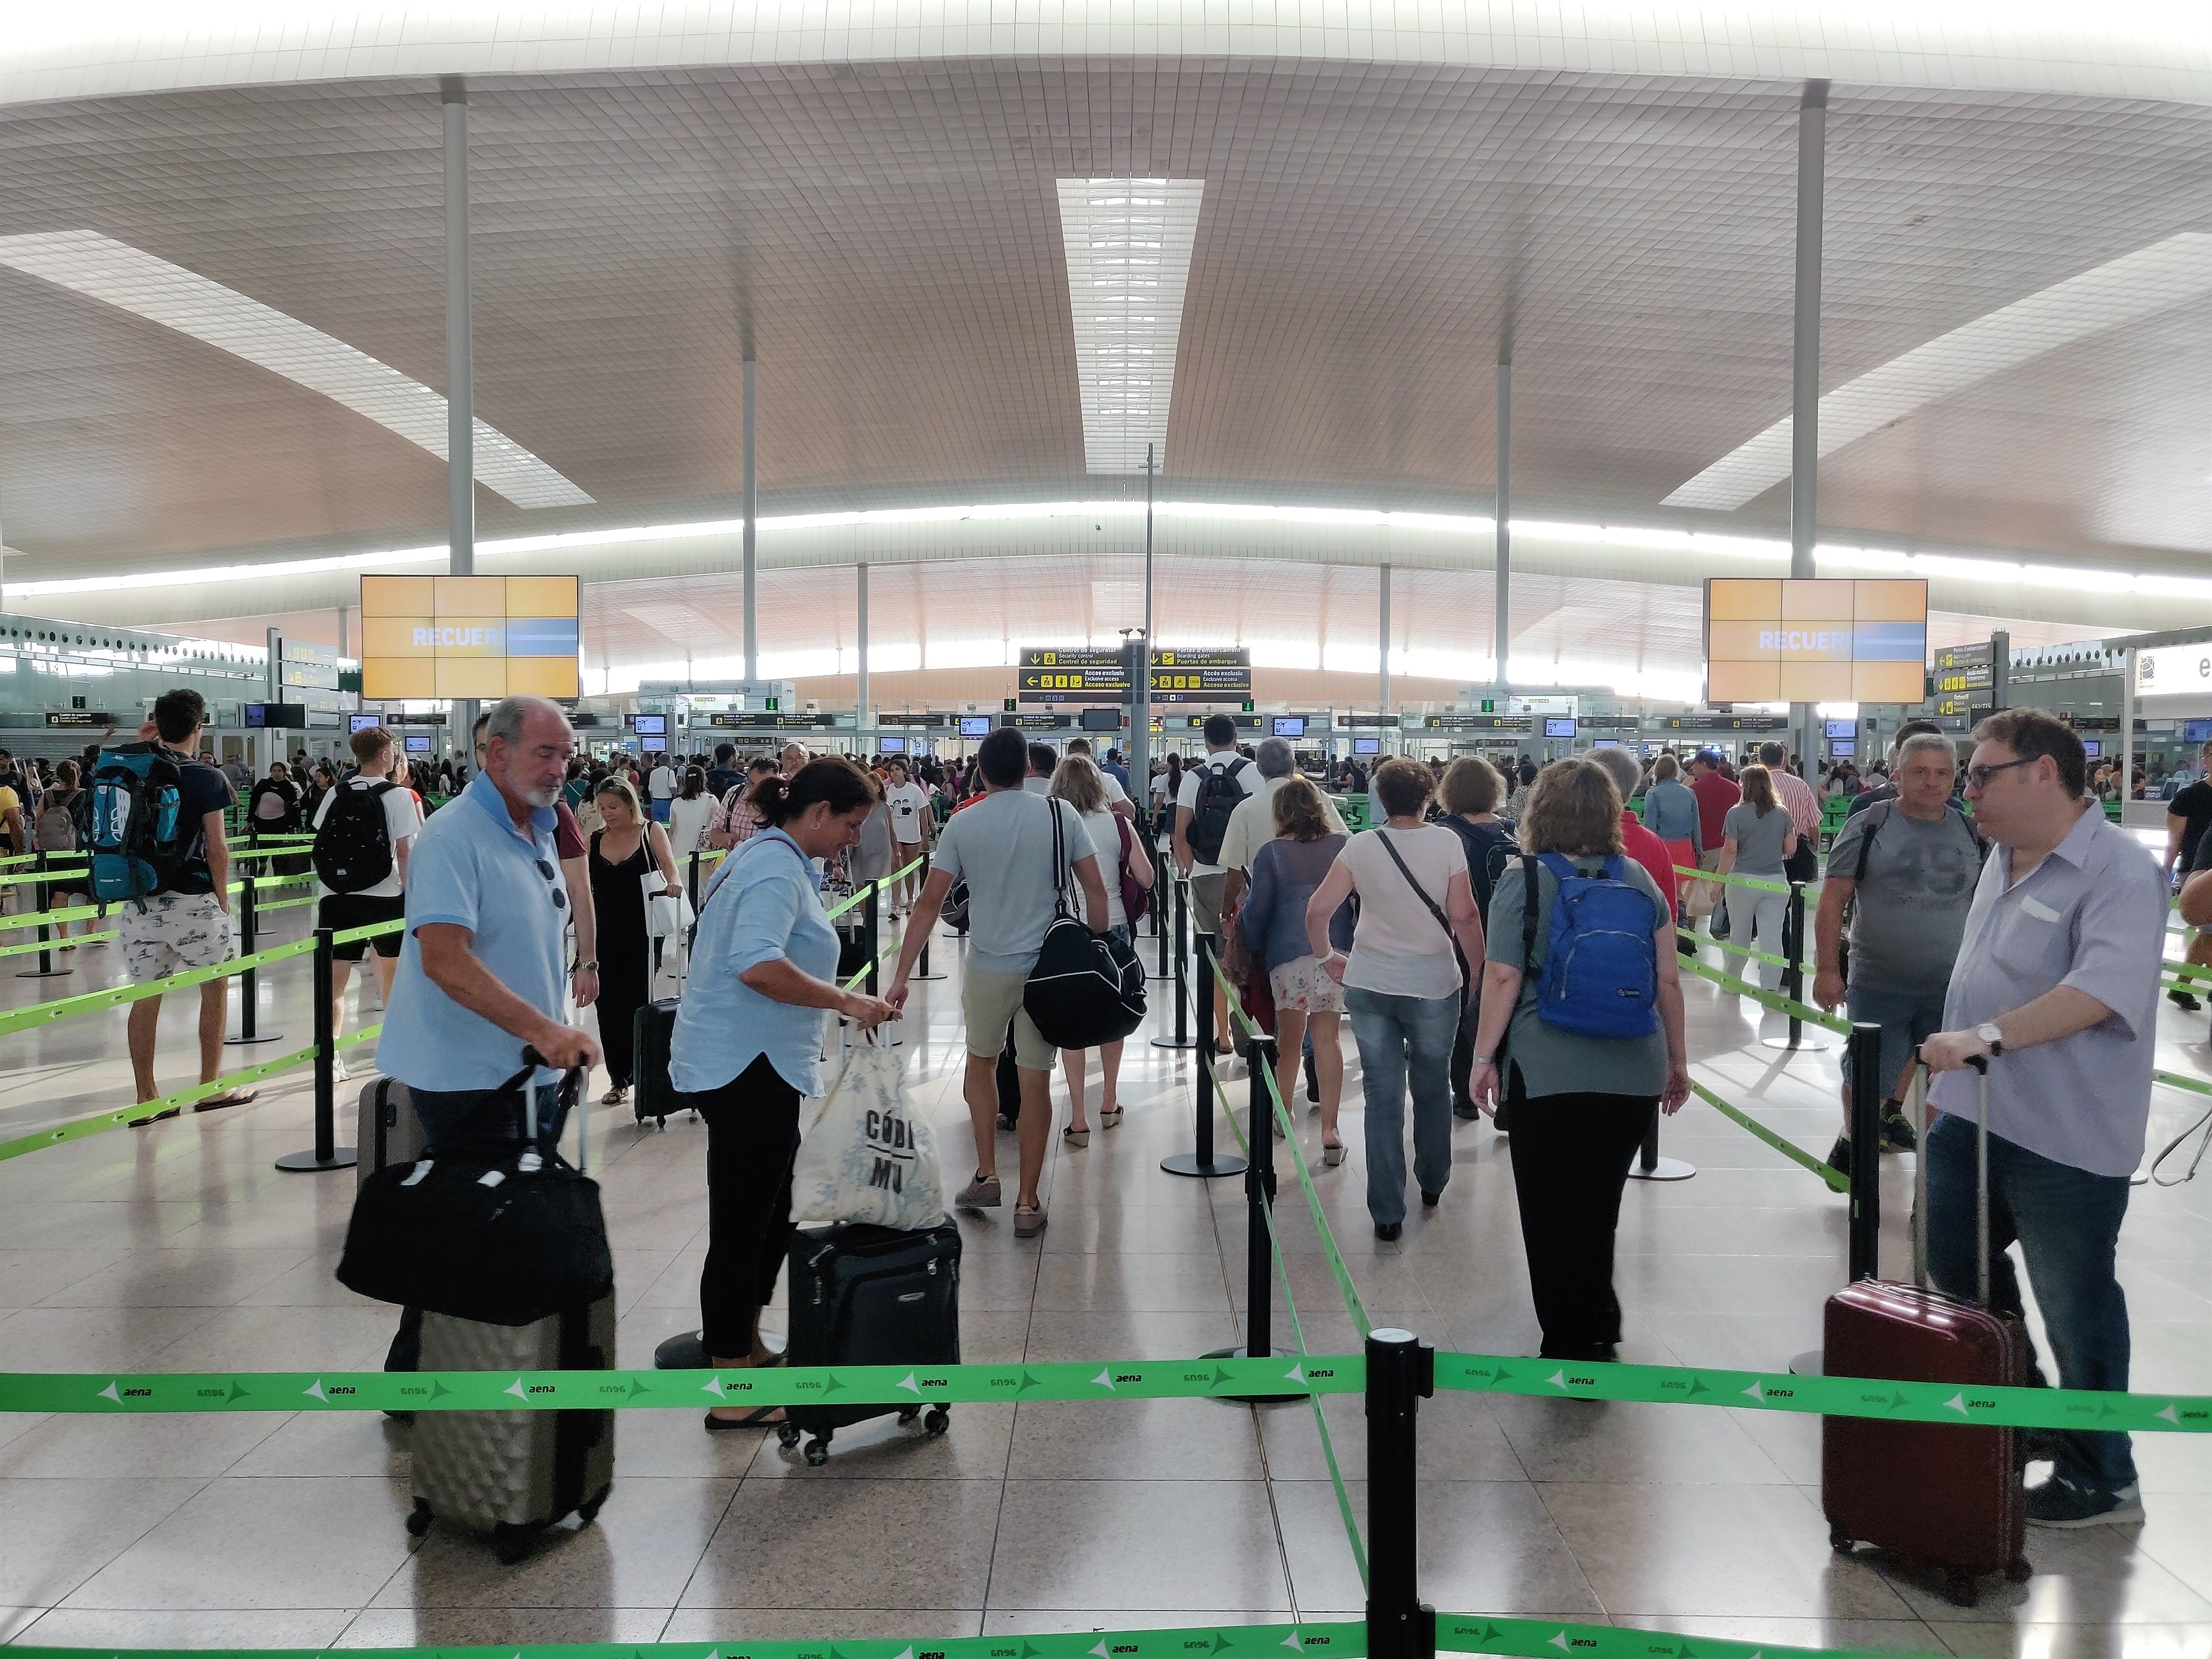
[1907,870]
[1003,844]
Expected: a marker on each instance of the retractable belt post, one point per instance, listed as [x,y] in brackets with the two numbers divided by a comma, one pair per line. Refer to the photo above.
[1864,1050]
[1401,1371]
[1163,925]
[326,1154]
[1182,1037]
[248,991]
[1793,973]
[45,969]
[921,969]
[1259,1342]
[871,925]
[1201,1159]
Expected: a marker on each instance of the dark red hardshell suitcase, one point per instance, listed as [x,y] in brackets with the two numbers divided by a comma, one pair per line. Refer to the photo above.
[1944,1495]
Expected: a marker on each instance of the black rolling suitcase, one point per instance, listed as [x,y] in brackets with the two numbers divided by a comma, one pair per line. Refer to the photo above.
[652,1094]
[871,1296]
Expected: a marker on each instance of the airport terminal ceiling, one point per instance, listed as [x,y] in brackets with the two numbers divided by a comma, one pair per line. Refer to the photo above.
[887,236]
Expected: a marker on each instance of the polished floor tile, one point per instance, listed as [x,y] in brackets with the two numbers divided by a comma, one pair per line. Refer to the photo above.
[1078,1544]
[828,1544]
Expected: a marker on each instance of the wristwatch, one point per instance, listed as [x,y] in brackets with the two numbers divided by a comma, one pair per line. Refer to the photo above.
[1988,1033]
[591,967]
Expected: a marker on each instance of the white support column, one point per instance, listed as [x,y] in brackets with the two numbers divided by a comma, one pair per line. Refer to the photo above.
[1504,531]
[1382,684]
[752,537]
[1805,364]
[863,721]
[2127,730]
[460,374]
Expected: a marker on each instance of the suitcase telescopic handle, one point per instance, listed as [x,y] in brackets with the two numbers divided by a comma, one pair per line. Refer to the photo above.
[1918,1089]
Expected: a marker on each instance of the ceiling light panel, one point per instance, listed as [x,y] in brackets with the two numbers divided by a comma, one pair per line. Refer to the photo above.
[1128,244]
[2136,285]
[133,279]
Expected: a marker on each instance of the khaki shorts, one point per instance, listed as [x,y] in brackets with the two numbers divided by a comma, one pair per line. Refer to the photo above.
[174,933]
[1205,902]
[989,1003]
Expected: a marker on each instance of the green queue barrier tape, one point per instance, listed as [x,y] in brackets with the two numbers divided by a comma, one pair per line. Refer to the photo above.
[880,882]
[46,1013]
[1758,883]
[1765,998]
[1837,1181]
[1338,1639]
[1548,1639]
[31,944]
[1737,949]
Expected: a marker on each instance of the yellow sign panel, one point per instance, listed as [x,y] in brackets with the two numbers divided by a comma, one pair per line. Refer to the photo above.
[426,637]
[1782,640]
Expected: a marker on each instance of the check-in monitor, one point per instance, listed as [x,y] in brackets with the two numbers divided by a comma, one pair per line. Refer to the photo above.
[1819,639]
[469,636]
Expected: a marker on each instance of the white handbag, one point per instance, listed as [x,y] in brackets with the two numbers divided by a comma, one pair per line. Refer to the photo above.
[866,1156]
[665,917]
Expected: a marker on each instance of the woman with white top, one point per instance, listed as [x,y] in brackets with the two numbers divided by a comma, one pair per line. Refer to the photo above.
[1402,982]
[693,815]
[1077,781]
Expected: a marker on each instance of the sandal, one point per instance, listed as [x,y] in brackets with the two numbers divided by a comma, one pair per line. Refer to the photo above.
[1075,1137]
[761,1418]
[1108,1116]
[617,1095]
[232,1098]
[1332,1155]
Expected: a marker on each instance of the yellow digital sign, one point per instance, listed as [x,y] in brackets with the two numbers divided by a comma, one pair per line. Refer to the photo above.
[425,637]
[1821,639]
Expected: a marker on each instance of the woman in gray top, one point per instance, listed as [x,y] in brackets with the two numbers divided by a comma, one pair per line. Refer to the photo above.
[1758,837]
[1580,1104]
[1284,874]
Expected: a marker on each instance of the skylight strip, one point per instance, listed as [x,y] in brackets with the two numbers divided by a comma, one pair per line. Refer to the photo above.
[2136,285]
[1128,244]
[133,279]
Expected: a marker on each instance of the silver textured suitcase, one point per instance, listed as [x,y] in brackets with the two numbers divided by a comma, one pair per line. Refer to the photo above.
[388,1131]
[511,1474]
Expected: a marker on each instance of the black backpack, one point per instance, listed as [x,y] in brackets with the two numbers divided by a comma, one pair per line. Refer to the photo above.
[1087,988]
[1219,795]
[353,847]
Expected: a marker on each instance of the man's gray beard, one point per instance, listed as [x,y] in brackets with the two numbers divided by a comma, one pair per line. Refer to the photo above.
[545,798]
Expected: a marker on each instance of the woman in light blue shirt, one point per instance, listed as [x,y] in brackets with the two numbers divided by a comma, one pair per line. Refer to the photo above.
[747,1046]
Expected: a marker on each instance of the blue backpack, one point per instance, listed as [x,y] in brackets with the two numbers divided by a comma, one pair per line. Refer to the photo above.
[138,839]
[1600,973]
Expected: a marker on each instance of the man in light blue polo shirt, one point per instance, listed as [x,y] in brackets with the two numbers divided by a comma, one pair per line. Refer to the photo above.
[2055,990]
[483,970]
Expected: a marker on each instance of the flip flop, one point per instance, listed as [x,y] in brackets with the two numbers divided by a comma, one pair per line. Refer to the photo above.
[761,1418]
[235,1098]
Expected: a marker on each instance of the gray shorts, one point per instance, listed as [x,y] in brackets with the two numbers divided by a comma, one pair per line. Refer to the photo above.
[175,931]
[1205,902]
[989,1003]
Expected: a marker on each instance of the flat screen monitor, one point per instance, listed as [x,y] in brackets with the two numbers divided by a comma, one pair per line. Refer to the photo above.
[2093,748]
[892,745]
[1559,725]
[469,636]
[1290,725]
[1844,748]
[1100,720]
[418,746]
[1605,743]
[1839,731]
[653,745]
[362,722]
[975,725]
[2196,731]
[1815,640]
[650,726]
[253,715]
[1367,745]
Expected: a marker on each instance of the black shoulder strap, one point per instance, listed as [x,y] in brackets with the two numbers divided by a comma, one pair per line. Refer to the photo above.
[1876,815]
[1531,867]
[1442,920]
[1060,907]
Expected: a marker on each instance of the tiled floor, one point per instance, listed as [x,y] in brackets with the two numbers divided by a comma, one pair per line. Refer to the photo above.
[181,1248]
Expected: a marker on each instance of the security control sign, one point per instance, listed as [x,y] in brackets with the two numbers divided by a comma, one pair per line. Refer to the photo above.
[1963,668]
[1224,675]
[2169,669]
[1481,723]
[1103,675]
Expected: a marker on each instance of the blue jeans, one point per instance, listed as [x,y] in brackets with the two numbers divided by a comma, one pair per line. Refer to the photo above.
[1404,1040]
[2067,1222]
[1907,1019]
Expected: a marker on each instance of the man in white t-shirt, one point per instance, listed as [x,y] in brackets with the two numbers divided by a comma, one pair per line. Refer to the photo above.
[1252,825]
[661,784]
[1203,810]
[382,900]
[911,823]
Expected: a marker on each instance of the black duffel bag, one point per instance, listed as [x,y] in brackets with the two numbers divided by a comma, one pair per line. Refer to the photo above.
[487,1228]
[1087,988]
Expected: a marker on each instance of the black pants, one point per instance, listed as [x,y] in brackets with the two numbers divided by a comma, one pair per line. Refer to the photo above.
[752,1139]
[624,987]
[1570,1157]
[1462,1058]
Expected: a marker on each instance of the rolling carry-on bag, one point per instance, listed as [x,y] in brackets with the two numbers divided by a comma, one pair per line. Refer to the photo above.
[653,1096]
[388,1132]
[871,1296]
[1940,1494]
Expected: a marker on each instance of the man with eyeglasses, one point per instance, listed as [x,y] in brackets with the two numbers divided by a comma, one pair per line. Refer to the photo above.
[2056,987]
[482,967]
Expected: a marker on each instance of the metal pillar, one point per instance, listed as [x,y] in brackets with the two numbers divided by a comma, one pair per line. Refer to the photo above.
[2000,669]
[275,640]
[1140,690]
[1504,534]
[1383,656]
[2127,730]
[460,376]
[1805,364]
[752,536]
[862,724]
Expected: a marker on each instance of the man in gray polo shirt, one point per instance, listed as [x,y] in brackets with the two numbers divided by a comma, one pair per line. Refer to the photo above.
[2057,984]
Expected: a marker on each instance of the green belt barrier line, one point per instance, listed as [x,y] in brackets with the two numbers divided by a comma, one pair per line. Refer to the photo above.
[2195,1086]
[1759,883]
[30,944]
[109,1393]
[1534,1639]
[78,913]
[1733,950]
[46,1013]
[1838,1181]
[56,874]
[78,1128]
[1779,1004]
[881,882]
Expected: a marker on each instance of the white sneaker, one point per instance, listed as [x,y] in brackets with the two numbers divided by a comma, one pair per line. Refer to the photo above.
[338,1072]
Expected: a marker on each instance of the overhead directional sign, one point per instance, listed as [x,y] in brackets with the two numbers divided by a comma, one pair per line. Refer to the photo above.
[1224,674]
[1963,668]
[1103,674]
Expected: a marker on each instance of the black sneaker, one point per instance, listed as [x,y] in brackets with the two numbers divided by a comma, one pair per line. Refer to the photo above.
[2059,1502]
[1388,1231]
[2183,1000]
[1467,1109]
[1428,1200]
[1896,1134]
[1839,1155]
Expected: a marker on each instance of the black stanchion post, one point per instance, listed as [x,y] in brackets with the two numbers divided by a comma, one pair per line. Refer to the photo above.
[1401,1373]
[1200,1160]
[1182,1038]
[249,993]
[921,968]
[326,1154]
[871,925]
[1793,972]
[1650,1166]
[43,897]
[1259,1342]
[1868,1087]
[1163,925]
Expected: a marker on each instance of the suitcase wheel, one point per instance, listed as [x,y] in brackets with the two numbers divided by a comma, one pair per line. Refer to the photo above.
[1840,1541]
[510,1544]
[1959,1589]
[817,1451]
[2020,1571]
[418,1520]
[787,1436]
[908,1415]
[937,1421]
[588,1511]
